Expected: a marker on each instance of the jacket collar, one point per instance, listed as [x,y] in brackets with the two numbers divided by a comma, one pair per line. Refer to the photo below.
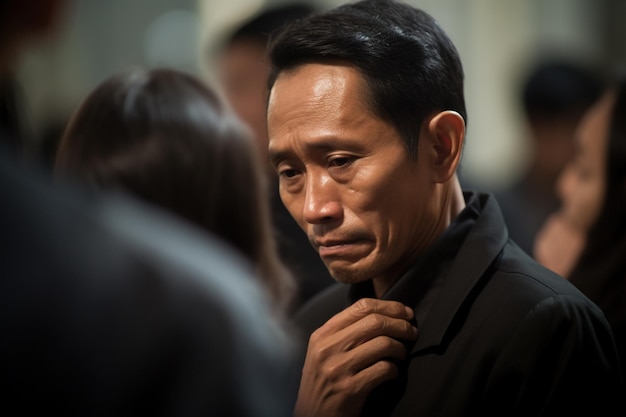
[479,251]
[443,276]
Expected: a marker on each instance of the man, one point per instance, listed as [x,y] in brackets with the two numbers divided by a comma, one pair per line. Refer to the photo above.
[242,68]
[366,122]
[112,309]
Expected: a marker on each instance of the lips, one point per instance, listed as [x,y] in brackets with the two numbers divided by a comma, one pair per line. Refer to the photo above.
[333,247]
[330,243]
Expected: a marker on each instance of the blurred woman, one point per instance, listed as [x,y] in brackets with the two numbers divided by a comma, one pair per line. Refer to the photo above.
[164,136]
[585,241]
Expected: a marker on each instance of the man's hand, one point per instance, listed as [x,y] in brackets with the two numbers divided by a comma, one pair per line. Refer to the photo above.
[350,355]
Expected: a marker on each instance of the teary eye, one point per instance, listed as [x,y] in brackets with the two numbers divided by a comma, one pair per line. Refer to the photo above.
[340,161]
[288,173]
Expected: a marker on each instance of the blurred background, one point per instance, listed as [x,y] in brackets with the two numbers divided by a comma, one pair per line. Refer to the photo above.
[499,40]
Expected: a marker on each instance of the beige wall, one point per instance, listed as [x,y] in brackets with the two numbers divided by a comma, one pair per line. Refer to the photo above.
[496,39]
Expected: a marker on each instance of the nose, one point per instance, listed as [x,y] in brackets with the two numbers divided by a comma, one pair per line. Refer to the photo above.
[321,202]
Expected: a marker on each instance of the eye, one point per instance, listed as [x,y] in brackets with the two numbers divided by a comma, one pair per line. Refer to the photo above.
[288,173]
[340,161]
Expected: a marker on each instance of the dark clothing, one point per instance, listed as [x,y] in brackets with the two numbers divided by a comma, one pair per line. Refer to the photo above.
[111,309]
[525,207]
[307,268]
[11,131]
[600,274]
[498,334]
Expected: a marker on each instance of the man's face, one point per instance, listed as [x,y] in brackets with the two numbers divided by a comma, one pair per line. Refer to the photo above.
[346,176]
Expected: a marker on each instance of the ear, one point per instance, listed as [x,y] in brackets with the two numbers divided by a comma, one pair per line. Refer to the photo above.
[447,134]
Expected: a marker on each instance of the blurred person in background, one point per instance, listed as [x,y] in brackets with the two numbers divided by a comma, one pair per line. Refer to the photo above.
[585,240]
[164,136]
[242,70]
[554,95]
[111,308]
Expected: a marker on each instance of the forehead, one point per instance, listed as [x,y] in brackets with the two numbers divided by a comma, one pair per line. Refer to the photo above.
[329,91]
[320,77]
[321,107]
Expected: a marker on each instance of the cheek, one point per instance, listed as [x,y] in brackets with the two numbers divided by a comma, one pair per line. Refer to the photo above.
[397,206]
[390,193]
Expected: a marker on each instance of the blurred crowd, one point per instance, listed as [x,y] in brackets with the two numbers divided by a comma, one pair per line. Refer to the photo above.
[152,261]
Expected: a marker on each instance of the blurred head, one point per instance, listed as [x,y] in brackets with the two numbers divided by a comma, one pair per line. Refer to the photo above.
[163,136]
[555,95]
[366,125]
[243,68]
[581,186]
[25,20]
[593,186]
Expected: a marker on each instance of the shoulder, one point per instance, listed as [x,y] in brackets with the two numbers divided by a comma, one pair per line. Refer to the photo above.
[521,282]
[116,291]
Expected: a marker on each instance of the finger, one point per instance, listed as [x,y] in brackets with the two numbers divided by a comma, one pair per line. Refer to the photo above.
[328,339]
[346,365]
[365,307]
[371,377]
[378,349]
[375,325]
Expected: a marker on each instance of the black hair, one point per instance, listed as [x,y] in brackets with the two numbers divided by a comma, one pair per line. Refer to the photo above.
[600,272]
[410,65]
[610,227]
[558,88]
[165,137]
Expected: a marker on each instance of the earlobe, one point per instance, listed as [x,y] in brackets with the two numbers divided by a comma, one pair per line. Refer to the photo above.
[447,132]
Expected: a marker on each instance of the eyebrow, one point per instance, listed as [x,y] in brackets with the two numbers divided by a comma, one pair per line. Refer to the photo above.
[278,156]
[322,145]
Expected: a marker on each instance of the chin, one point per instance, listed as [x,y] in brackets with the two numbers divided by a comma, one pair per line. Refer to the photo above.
[349,275]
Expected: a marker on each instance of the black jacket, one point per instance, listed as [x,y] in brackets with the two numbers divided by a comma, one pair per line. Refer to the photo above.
[499,334]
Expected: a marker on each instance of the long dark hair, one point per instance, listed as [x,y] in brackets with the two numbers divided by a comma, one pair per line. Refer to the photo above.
[601,269]
[164,136]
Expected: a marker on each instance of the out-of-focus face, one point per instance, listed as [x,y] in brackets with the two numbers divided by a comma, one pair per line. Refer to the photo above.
[553,149]
[242,71]
[581,186]
[346,176]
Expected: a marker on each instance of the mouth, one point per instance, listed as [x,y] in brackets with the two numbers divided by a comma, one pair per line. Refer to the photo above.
[330,248]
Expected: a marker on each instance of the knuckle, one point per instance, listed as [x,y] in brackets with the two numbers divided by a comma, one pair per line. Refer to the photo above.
[387,343]
[348,386]
[315,337]
[331,371]
[364,306]
[407,327]
[375,322]
[387,368]
[391,348]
